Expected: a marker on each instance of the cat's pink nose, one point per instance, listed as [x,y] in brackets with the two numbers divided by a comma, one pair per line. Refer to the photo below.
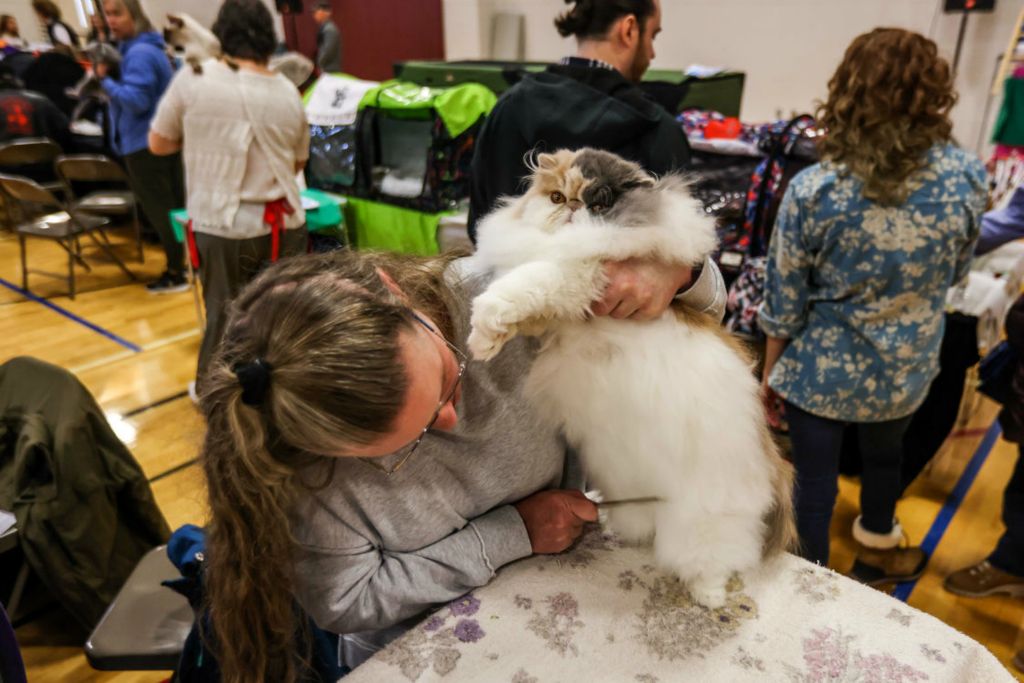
[575,204]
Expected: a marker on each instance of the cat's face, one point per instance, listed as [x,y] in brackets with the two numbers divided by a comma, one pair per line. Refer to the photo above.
[588,185]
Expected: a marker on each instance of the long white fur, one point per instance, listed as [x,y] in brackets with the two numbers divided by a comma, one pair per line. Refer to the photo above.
[656,408]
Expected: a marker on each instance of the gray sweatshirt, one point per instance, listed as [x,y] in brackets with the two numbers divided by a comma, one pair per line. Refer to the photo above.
[328,48]
[375,551]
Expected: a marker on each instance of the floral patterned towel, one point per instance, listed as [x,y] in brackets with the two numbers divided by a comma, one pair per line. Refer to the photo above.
[602,612]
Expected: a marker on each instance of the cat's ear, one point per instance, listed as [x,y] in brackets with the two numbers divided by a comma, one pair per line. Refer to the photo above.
[547,162]
[639,179]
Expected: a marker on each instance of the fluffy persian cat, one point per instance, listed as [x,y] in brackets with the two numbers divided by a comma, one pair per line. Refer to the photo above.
[668,408]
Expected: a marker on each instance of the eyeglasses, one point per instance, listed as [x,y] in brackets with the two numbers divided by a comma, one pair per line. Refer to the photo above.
[409,449]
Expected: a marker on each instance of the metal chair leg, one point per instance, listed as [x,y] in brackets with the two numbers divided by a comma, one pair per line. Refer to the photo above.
[24,262]
[71,274]
[113,257]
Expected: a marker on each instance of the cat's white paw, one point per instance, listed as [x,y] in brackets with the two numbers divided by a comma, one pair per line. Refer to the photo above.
[710,594]
[632,523]
[491,327]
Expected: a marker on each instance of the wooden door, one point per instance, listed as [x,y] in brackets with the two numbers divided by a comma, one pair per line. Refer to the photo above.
[375,34]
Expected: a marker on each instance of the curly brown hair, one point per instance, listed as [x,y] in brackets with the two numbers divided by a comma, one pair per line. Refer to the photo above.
[888,103]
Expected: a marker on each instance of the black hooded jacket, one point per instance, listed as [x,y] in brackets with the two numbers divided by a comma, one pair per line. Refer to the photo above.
[570,107]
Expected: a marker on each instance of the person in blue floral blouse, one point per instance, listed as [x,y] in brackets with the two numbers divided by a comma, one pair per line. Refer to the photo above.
[865,245]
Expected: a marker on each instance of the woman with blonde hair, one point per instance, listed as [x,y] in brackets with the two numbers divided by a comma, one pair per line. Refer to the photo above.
[134,94]
[360,466]
[865,246]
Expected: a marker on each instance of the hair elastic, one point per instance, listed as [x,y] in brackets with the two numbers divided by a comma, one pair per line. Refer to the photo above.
[254,376]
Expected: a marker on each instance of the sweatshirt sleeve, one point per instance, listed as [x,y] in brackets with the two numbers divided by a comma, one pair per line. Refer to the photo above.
[708,294]
[362,588]
[136,91]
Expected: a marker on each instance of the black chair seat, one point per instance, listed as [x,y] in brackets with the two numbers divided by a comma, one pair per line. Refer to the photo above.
[59,225]
[106,202]
[145,627]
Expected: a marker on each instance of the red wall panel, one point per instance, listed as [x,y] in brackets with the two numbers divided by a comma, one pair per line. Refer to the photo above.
[374,33]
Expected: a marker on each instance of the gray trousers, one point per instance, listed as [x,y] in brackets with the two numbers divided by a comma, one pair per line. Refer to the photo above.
[225,266]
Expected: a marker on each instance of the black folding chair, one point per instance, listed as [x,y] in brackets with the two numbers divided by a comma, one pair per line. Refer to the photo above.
[32,158]
[64,226]
[96,168]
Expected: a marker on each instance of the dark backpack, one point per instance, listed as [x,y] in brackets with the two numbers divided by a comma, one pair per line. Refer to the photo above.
[789,149]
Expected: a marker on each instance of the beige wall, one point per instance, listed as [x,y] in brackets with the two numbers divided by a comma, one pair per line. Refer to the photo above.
[203,11]
[788,48]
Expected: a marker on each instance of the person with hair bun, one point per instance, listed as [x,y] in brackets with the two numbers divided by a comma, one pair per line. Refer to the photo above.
[244,134]
[591,99]
[865,246]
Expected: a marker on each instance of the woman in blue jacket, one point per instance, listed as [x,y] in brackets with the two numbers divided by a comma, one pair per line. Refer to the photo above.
[144,76]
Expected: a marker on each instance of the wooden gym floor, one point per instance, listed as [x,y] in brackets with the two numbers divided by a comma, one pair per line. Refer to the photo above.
[139,356]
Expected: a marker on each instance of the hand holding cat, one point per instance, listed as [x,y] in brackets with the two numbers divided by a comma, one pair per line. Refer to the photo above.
[640,289]
[555,518]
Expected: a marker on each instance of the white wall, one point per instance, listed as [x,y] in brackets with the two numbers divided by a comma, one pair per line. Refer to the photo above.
[788,48]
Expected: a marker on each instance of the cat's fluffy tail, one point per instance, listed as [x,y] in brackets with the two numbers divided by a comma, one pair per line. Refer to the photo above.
[780,521]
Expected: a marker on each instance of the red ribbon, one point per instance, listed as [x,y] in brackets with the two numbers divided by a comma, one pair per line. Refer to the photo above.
[273,215]
[193,250]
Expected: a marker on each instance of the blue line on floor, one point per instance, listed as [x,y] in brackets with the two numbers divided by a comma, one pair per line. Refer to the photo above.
[71,316]
[952,504]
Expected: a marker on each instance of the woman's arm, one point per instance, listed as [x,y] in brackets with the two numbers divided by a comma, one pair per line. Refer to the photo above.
[787,276]
[365,587]
[166,130]
[161,146]
[773,350]
[136,90]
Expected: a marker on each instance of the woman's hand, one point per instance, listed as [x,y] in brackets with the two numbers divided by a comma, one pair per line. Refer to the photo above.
[555,518]
[101,70]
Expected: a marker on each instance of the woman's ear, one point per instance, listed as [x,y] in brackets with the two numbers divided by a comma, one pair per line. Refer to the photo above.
[390,283]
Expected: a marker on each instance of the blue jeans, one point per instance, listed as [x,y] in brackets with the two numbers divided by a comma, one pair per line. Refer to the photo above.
[817,444]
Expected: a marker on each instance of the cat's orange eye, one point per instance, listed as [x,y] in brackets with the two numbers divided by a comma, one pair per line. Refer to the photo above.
[558,198]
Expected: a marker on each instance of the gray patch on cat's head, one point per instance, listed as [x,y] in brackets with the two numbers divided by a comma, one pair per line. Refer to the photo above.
[619,191]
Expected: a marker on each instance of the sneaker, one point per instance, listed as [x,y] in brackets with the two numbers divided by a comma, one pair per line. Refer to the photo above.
[881,559]
[168,284]
[983,579]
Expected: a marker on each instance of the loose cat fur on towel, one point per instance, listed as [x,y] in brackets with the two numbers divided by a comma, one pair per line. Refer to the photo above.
[667,408]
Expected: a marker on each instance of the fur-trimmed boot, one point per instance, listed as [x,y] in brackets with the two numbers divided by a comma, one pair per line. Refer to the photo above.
[881,560]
